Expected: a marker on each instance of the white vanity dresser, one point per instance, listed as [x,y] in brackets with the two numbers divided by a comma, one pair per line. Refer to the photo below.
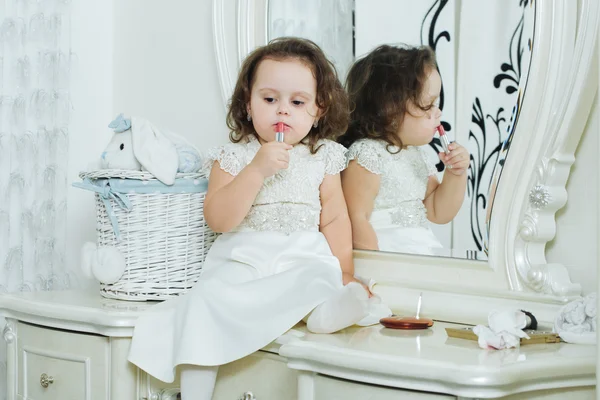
[73,345]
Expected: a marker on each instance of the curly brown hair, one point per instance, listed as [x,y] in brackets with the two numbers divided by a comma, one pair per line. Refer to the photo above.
[331,99]
[381,86]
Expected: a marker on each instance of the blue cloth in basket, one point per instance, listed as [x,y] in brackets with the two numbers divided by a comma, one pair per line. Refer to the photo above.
[118,189]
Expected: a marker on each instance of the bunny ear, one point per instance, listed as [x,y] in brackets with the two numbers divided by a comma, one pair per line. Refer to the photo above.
[154,151]
[120,124]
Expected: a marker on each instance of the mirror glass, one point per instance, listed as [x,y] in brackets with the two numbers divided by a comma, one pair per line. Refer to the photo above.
[483,50]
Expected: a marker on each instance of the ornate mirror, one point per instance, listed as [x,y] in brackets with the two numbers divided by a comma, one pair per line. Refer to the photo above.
[518,84]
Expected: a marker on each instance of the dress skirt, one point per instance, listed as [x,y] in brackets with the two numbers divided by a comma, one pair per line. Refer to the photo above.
[254,287]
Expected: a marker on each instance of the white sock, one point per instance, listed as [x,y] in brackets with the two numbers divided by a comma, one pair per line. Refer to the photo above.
[198,382]
[344,309]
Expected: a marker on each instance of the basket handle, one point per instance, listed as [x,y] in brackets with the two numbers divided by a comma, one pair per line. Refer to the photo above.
[106,193]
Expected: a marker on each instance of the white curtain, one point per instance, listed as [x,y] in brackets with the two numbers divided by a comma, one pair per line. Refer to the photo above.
[35,69]
[328,23]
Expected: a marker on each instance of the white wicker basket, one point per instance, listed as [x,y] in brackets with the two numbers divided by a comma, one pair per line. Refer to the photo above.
[163,236]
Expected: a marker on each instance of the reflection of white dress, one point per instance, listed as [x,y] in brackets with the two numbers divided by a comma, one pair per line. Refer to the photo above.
[399,217]
[259,280]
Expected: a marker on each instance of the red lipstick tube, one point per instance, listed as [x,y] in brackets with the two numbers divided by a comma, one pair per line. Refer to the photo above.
[279,136]
[444,139]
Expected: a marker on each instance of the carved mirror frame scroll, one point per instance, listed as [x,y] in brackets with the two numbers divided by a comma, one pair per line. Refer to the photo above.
[561,86]
[564,92]
[239,26]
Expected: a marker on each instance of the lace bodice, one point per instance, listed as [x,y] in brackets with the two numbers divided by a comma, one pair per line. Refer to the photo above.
[289,201]
[404,176]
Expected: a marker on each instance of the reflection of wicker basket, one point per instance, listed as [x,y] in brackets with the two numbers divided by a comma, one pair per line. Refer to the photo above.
[164,238]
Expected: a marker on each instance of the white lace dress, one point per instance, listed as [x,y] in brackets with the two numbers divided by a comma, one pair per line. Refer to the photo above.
[259,280]
[399,217]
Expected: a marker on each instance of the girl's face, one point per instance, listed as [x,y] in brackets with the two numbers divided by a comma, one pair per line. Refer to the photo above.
[283,91]
[419,126]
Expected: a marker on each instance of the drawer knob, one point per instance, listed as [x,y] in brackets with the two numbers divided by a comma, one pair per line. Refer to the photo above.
[9,333]
[46,380]
[247,396]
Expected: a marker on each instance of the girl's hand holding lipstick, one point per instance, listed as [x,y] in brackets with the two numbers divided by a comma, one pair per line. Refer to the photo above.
[273,156]
[457,159]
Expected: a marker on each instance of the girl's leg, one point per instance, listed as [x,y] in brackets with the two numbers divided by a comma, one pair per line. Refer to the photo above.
[198,382]
[346,308]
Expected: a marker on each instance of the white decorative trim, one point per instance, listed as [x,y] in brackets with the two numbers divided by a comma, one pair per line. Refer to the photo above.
[9,333]
[598,219]
[11,358]
[539,197]
[306,385]
[252,28]
[561,86]
[556,106]
[234,38]
[245,12]
[220,44]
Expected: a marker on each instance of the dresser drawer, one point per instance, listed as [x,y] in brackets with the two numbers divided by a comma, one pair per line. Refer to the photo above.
[327,388]
[263,374]
[55,364]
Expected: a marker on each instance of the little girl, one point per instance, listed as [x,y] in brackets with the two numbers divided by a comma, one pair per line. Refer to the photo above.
[391,190]
[286,247]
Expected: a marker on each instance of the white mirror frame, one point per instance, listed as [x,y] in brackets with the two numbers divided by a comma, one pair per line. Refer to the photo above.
[555,108]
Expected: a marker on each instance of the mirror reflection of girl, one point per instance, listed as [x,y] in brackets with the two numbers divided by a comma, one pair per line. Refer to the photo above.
[391,190]
[285,252]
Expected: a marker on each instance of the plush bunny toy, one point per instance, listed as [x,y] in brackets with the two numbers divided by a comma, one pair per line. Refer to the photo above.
[137,145]
[119,152]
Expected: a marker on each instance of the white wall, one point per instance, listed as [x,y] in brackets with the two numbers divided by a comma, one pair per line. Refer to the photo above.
[165,70]
[577,235]
[91,95]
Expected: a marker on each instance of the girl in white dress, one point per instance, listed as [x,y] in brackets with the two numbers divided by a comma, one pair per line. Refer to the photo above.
[286,247]
[391,190]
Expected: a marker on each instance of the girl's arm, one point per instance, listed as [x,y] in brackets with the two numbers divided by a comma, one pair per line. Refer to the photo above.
[443,200]
[360,189]
[229,198]
[335,224]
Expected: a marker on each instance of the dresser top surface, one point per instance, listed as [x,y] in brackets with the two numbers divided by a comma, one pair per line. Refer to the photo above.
[87,299]
[382,352]
[83,310]
[433,346]
[429,360]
